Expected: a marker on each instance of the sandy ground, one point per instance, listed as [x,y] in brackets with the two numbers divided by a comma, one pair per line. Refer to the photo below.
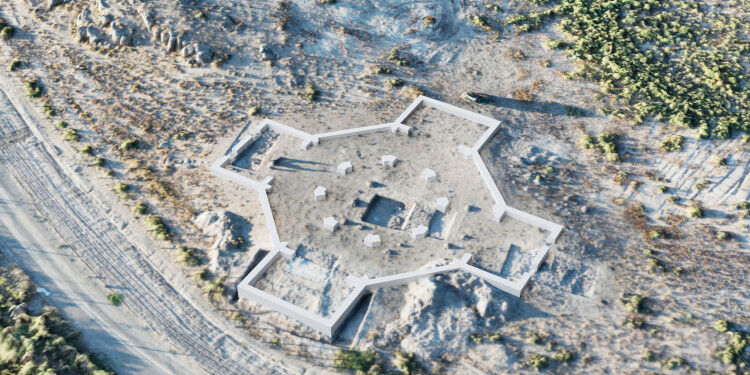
[576,298]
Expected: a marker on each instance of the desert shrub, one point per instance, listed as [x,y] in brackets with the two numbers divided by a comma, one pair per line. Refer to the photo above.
[140,208]
[395,82]
[310,93]
[114,298]
[673,363]
[62,125]
[201,275]
[7,32]
[723,235]
[533,338]
[557,44]
[700,185]
[721,326]
[395,57]
[662,189]
[379,69]
[428,20]
[720,161]
[33,89]
[188,256]
[87,149]
[14,65]
[654,234]
[734,349]
[536,361]
[71,135]
[48,110]
[98,162]
[215,288]
[634,304]
[694,212]
[523,95]
[405,362]
[672,143]
[479,22]
[563,356]
[128,144]
[121,188]
[411,92]
[354,360]
[516,54]
[155,225]
[253,110]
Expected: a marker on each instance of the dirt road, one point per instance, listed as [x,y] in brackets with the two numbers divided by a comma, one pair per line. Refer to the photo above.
[96,258]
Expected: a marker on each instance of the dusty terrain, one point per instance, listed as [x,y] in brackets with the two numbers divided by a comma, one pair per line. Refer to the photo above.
[157,107]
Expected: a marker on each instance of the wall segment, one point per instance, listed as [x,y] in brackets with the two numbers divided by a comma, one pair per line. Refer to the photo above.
[360,286]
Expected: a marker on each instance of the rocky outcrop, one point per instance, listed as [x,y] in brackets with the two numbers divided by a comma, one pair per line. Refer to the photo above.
[107,32]
[223,227]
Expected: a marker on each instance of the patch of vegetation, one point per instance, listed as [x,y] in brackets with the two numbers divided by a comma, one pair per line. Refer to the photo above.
[14,65]
[155,225]
[121,188]
[720,161]
[7,32]
[672,60]
[379,69]
[395,57]
[201,275]
[37,344]
[734,350]
[604,143]
[128,144]
[723,235]
[721,326]
[634,304]
[523,95]
[140,208]
[672,143]
[536,361]
[563,356]
[114,298]
[62,125]
[87,149]
[48,110]
[405,362]
[702,184]
[98,162]
[533,338]
[188,256]
[311,93]
[215,288]
[573,111]
[673,363]
[662,189]
[360,361]
[557,44]
[479,22]
[71,135]
[694,212]
[33,89]
[395,82]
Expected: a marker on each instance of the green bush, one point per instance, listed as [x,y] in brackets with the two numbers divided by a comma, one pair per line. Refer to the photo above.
[87,149]
[536,361]
[48,110]
[121,188]
[188,256]
[33,89]
[694,212]
[563,356]
[672,143]
[128,144]
[155,225]
[395,82]
[140,209]
[311,93]
[114,298]
[7,32]
[721,326]
[71,135]
[354,360]
[634,304]
[14,65]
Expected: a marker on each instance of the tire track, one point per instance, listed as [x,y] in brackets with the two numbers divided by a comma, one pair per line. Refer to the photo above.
[109,254]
